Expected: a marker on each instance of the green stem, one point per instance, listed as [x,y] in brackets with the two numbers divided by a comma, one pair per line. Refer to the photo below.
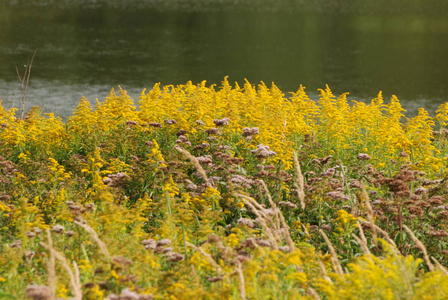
[185,241]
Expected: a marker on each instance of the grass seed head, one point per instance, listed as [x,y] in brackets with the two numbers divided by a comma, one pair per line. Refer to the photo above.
[38,292]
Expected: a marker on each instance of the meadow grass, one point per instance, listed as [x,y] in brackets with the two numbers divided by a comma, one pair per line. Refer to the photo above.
[228,192]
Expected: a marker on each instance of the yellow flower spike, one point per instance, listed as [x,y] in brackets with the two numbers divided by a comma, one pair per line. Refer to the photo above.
[85,265]
[24,156]
[232,240]
[171,187]
[62,291]
[293,258]
[442,114]
[153,264]
[186,197]
[94,293]
[4,207]
[298,276]
[198,260]
[266,277]
[240,204]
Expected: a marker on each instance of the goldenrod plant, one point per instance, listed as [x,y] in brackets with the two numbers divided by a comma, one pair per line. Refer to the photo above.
[224,192]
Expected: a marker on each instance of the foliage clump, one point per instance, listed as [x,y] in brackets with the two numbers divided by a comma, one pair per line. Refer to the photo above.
[230,192]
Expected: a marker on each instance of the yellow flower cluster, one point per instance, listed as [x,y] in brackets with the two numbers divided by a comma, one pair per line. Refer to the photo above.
[282,121]
[346,222]
[390,278]
[148,197]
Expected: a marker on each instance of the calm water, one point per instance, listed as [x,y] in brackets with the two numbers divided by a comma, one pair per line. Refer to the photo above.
[87,47]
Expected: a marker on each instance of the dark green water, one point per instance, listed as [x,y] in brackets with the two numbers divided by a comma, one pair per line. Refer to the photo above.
[86,47]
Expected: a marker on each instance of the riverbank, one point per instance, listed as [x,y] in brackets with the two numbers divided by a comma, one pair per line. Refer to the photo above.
[224,192]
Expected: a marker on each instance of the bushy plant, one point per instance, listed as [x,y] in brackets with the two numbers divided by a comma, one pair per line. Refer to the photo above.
[224,192]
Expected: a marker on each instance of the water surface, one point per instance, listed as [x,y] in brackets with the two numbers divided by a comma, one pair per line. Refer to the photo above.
[86,47]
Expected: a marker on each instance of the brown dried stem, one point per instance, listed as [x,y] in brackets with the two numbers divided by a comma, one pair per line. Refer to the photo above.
[334,258]
[420,246]
[25,83]
[262,219]
[442,268]
[286,234]
[242,282]
[384,233]
[51,268]
[313,293]
[369,214]
[324,271]
[299,183]
[95,237]
[207,257]
[362,241]
[271,202]
[272,225]
[279,219]
[196,163]
[75,282]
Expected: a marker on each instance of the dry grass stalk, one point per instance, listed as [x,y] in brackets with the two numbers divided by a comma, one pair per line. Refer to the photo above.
[306,231]
[313,293]
[263,214]
[95,237]
[420,246]
[75,282]
[271,202]
[334,258]
[384,233]
[361,233]
[286,233]
[262,218]
[261,211]
[272,228]
[442,268]
[207,257]
[77,276]
[362,241]
[299,183]
[274,225]
[278,215]
[25,83]
[51,268]
[242,282]
[370,214]
[324,271]
[196,163]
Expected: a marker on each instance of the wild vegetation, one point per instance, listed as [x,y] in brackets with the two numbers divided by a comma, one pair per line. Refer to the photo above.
[228,192]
